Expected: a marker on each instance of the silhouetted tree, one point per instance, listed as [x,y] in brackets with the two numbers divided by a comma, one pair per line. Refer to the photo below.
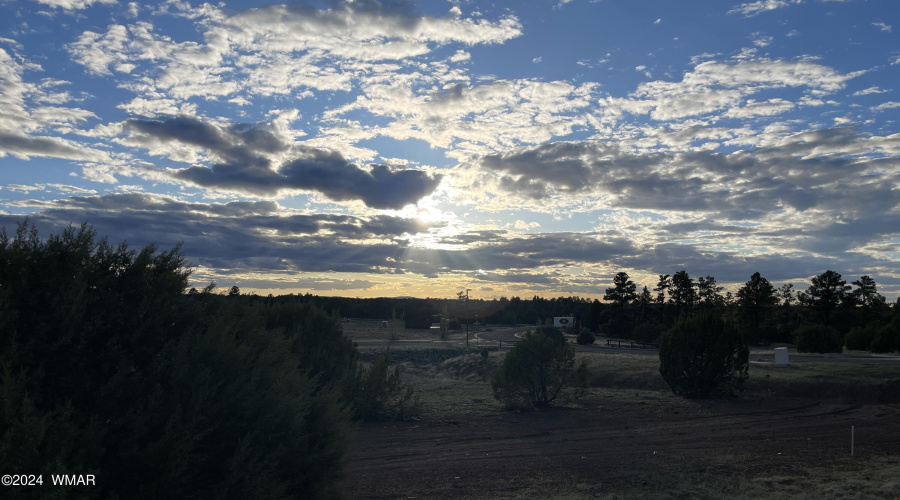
[756,302]
[535,371]
[644,300]
[662,286]
[866,293]
[683,293]
[826,294]
[105,365]
[709,292]
[622,292]
[703,356]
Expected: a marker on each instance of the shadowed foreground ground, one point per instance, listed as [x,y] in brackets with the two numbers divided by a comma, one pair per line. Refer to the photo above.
[628,443]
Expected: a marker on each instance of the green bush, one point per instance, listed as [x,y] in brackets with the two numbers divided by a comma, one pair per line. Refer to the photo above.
[108,368]
[886,339]
[818,338]
[585,337]
[703,356]
[860,338]
[535,371]
[381,392]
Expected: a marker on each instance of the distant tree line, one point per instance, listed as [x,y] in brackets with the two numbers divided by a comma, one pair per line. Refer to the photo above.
[829,307]
[108,368]
[854,314]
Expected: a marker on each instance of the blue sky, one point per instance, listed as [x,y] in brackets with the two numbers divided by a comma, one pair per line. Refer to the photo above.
[390,148]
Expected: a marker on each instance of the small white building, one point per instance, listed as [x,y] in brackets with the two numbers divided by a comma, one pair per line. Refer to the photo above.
[563,321]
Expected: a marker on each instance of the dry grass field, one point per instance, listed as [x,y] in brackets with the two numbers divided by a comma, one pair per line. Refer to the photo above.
[786,436]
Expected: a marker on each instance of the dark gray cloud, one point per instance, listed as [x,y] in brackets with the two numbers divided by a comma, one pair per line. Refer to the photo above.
[18,144]
[238,235]
[242,161]
[516,277]
[833,169]
[502,251]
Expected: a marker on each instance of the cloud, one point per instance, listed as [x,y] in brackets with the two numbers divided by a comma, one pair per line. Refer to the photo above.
[752,108]
[883,27]
[460,55]
[754,8]
[277,50]
[246,236]
[42,187]
[761,40]
[243,159]
[74,4]
[830,169]
[476,118]
[886,106]
[35,107]
[869,91]
[27,146]
[501,252]
[713,86]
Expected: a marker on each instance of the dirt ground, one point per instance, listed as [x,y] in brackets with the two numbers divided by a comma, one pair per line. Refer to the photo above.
[637,442]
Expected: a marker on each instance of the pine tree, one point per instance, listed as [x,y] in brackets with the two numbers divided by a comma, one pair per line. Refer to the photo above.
[756,305]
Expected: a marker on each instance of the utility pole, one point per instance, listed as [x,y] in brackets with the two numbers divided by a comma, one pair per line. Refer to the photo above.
[467,317]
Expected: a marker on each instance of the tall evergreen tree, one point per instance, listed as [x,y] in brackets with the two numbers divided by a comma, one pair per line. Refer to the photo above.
[866,293]
[644,299]
[825,295]
[709,292]
[622,292]
[756,304]
[663,285]
[683,293]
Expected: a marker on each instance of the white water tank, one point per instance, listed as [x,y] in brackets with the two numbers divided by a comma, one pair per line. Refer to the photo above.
[781,356]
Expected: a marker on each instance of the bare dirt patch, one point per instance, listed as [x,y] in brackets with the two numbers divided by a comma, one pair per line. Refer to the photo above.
[639,441]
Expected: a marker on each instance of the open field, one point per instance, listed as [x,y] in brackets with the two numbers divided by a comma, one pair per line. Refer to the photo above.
[786,436]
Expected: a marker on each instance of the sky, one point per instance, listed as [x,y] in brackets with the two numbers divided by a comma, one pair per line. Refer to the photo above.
[396,148]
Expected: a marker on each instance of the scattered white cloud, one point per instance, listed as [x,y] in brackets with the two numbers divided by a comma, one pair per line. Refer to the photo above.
[767,108]
[657,21]
[869,91]
[761,40]
[883,27]
[277,50]
[72,5]
[476,118]
[525,226]
[20,188]
[885,106]
[28,126]
[460,56]
[714,86]
[760,6]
